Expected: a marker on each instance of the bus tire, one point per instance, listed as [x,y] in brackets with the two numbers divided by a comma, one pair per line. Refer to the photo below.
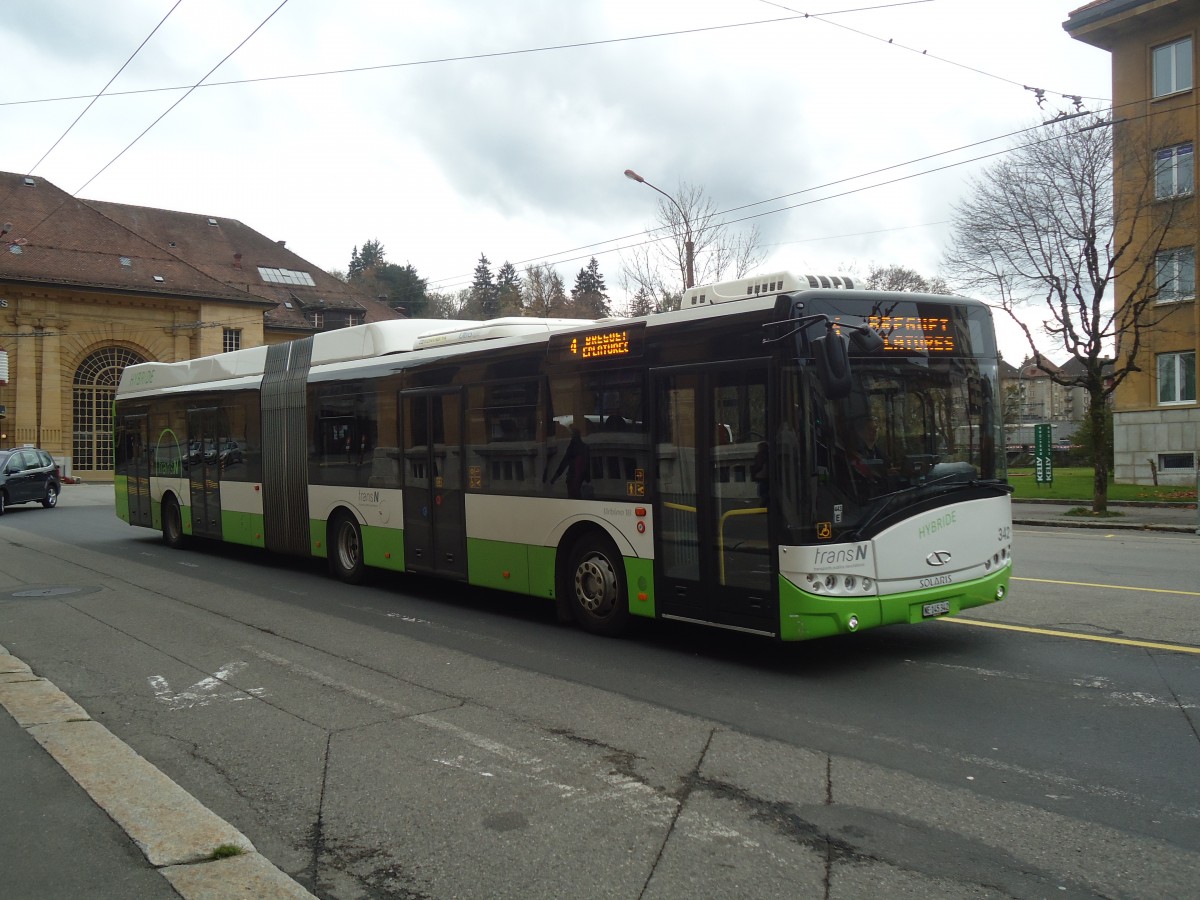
[172,523]
[596,586]
[343,539]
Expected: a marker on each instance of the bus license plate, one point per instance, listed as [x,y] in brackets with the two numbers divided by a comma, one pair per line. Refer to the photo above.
[935,609]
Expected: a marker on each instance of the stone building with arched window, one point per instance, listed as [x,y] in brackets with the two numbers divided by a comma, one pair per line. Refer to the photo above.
[88,288]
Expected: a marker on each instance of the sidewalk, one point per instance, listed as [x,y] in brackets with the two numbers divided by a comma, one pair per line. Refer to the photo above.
[1182,519]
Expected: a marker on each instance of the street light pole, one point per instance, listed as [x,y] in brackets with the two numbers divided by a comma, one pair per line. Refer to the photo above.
[687,226]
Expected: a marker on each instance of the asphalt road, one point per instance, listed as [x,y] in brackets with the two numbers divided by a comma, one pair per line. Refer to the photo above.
[413,739]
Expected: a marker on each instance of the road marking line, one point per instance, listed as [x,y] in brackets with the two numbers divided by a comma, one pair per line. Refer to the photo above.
[1128,642]
[1111,587]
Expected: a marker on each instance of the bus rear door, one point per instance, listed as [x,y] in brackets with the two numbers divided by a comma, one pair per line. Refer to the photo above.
[133,461]
[712,538]
[435,529]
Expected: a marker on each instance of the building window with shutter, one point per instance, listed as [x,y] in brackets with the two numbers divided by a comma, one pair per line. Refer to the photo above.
[231,339]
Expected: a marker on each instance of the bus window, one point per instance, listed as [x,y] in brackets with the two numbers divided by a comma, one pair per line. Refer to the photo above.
[344,434]
[605,411]
[502,439]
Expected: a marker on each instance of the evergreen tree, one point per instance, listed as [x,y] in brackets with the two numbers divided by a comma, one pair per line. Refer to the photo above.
[485,297]
[368,261]
[405,289]
[589,297]
[641,304]
[508,290]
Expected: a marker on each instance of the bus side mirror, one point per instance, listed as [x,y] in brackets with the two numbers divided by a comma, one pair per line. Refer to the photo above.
[831,353]
[866,339]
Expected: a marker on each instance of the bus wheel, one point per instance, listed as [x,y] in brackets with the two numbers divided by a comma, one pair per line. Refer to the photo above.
[344,544]
[172,524]
[597,586]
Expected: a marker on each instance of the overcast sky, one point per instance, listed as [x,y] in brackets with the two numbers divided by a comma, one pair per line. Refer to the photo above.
[472,126]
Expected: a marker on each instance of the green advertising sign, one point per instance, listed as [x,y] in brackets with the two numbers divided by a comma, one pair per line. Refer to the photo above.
[1043,462]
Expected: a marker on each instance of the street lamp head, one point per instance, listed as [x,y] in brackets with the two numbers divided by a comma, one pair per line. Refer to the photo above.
[634,176]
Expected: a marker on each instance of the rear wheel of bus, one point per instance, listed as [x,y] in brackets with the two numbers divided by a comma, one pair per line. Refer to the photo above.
[172,523]
[344,542]
[596,586]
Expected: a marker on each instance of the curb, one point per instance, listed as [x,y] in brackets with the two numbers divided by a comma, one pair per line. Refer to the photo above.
[175,832]
[1109,525]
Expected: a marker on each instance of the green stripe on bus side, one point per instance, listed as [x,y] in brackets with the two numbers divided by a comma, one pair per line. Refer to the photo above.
[501,565]
[639,576]
[804,615]
[541,571]
[242,528]
[121,495]
[383,548]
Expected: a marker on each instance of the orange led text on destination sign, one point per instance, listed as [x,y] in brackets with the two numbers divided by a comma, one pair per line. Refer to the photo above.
[609,343]
[928,333]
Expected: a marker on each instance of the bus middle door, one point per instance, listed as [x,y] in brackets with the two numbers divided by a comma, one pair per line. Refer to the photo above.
[714,562]
[435,526]
[205,439]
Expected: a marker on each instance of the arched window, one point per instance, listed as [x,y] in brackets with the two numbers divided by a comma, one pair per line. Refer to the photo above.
[94,389]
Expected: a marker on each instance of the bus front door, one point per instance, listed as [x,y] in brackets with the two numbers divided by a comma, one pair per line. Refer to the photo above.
[435,526]
[712,537]
[205,439]
[133,461]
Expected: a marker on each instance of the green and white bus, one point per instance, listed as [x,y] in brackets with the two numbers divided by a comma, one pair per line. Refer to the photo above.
[695,465]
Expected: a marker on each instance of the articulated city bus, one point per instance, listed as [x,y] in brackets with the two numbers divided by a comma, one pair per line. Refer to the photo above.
[706,464]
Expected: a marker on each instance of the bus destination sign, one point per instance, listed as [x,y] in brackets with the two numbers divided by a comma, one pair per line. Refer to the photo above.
[620,342]
[915,334]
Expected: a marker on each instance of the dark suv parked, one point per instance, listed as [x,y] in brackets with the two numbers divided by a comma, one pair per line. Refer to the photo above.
[28,474]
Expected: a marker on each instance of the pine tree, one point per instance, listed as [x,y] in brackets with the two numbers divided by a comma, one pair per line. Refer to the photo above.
[588,295]
[406,290]
[484,295]
[508,290]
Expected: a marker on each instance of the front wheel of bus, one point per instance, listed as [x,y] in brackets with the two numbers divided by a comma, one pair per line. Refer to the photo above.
[597,586]
[172,524]
[345,549]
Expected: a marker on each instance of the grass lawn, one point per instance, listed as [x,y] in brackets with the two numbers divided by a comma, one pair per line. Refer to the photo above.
[1076,484]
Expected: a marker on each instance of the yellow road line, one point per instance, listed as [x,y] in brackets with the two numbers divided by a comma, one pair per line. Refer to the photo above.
[1152,645]
[1110,587]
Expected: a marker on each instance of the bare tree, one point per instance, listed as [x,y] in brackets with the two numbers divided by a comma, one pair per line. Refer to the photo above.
[660,268]
[1042,231]
[544,292]
[900,278]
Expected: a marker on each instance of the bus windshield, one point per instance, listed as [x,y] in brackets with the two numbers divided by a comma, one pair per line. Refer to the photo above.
[912,428]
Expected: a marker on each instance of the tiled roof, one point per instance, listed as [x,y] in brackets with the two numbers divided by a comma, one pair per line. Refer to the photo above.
[115,246]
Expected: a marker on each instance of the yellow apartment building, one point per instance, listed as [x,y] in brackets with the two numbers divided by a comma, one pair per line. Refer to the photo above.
[1156,419]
